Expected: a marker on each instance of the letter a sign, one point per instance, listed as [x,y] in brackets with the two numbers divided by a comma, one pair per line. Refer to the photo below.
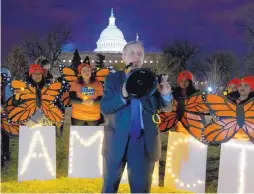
[37,153]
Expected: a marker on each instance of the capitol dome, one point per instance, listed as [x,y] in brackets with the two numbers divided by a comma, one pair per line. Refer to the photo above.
[111,39]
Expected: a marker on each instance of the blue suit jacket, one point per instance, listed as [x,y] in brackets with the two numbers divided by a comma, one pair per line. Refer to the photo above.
[118,111]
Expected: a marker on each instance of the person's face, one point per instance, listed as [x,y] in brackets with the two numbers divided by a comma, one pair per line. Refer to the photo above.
[232,88]
[37,77]
[46,69]
[244,89]
[184,83]
[86,72]
[134,54]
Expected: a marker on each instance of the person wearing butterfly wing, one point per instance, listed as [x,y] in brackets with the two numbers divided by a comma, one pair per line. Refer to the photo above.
[233,114]
[85,96]
[6,93]
[244,92]
[131,135]
[34,100]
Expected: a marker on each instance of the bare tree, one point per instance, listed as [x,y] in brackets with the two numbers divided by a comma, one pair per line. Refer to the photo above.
[226,63]
[49,46]
[249,63]
[166,65]
[16,62]
[214,75]
[182,51]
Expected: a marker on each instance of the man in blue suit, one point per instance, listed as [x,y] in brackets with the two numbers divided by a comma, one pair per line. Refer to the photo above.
[131,136]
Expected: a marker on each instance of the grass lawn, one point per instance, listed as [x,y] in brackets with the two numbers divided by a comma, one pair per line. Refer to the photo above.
[62,184]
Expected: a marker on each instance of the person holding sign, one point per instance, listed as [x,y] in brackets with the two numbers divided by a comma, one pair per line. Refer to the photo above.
[85,96]
[132,136]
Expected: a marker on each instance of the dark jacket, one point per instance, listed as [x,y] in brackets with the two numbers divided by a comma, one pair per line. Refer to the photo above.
[118,110]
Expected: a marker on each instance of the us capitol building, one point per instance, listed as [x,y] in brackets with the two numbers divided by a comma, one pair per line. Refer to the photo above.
[110,44]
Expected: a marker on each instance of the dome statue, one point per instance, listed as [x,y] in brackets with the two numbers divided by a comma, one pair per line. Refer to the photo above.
[111,39]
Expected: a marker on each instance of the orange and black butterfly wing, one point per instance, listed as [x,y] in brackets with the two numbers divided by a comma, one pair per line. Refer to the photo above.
[220,131]
[52,112]
[248,125]
[192,111]
[168,119]
[196,104]
[194,124]
[11,129]
[101,74]
[68,73]
[66,99]
[225,124]
[27,108]
[49,95]
[219,106]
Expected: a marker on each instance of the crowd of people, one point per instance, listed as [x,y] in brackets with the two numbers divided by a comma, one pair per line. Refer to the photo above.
[131,137]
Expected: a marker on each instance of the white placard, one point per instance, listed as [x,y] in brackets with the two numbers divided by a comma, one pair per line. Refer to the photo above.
[236,173]
[85,159]
[37,153]
[186,163]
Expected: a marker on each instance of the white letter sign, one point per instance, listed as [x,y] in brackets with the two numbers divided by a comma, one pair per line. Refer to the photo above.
[37,153]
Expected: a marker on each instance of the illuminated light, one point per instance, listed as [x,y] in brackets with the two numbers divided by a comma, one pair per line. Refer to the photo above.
[122,61]
[69,61]
[115,61]
[209,89]
[37,138]
[202,83]
[157,61]
[151,61]
[110,61]
[169,167]
[242,165]
[64,61]
[92,61]
[86,143]
[145,61]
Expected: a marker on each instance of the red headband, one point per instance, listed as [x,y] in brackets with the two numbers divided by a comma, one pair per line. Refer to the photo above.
[185,75]
[83,65]
[235,81]
[248,80]
[35,68]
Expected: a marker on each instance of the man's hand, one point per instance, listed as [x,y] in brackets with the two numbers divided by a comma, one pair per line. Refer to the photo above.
[124,91]
[164,88]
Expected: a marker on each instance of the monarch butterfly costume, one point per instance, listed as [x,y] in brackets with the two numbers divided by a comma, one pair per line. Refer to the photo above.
[233,119]
[187,111]
[83,114]
[70,75]
[7,128]
[36,102]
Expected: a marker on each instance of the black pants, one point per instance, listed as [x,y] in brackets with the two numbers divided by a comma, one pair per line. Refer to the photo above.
[5,147]
[77,122]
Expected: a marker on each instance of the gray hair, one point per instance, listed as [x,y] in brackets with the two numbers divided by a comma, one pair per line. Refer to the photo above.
[132,43]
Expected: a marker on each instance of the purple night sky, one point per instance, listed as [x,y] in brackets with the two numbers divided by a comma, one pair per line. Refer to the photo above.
[210,26]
